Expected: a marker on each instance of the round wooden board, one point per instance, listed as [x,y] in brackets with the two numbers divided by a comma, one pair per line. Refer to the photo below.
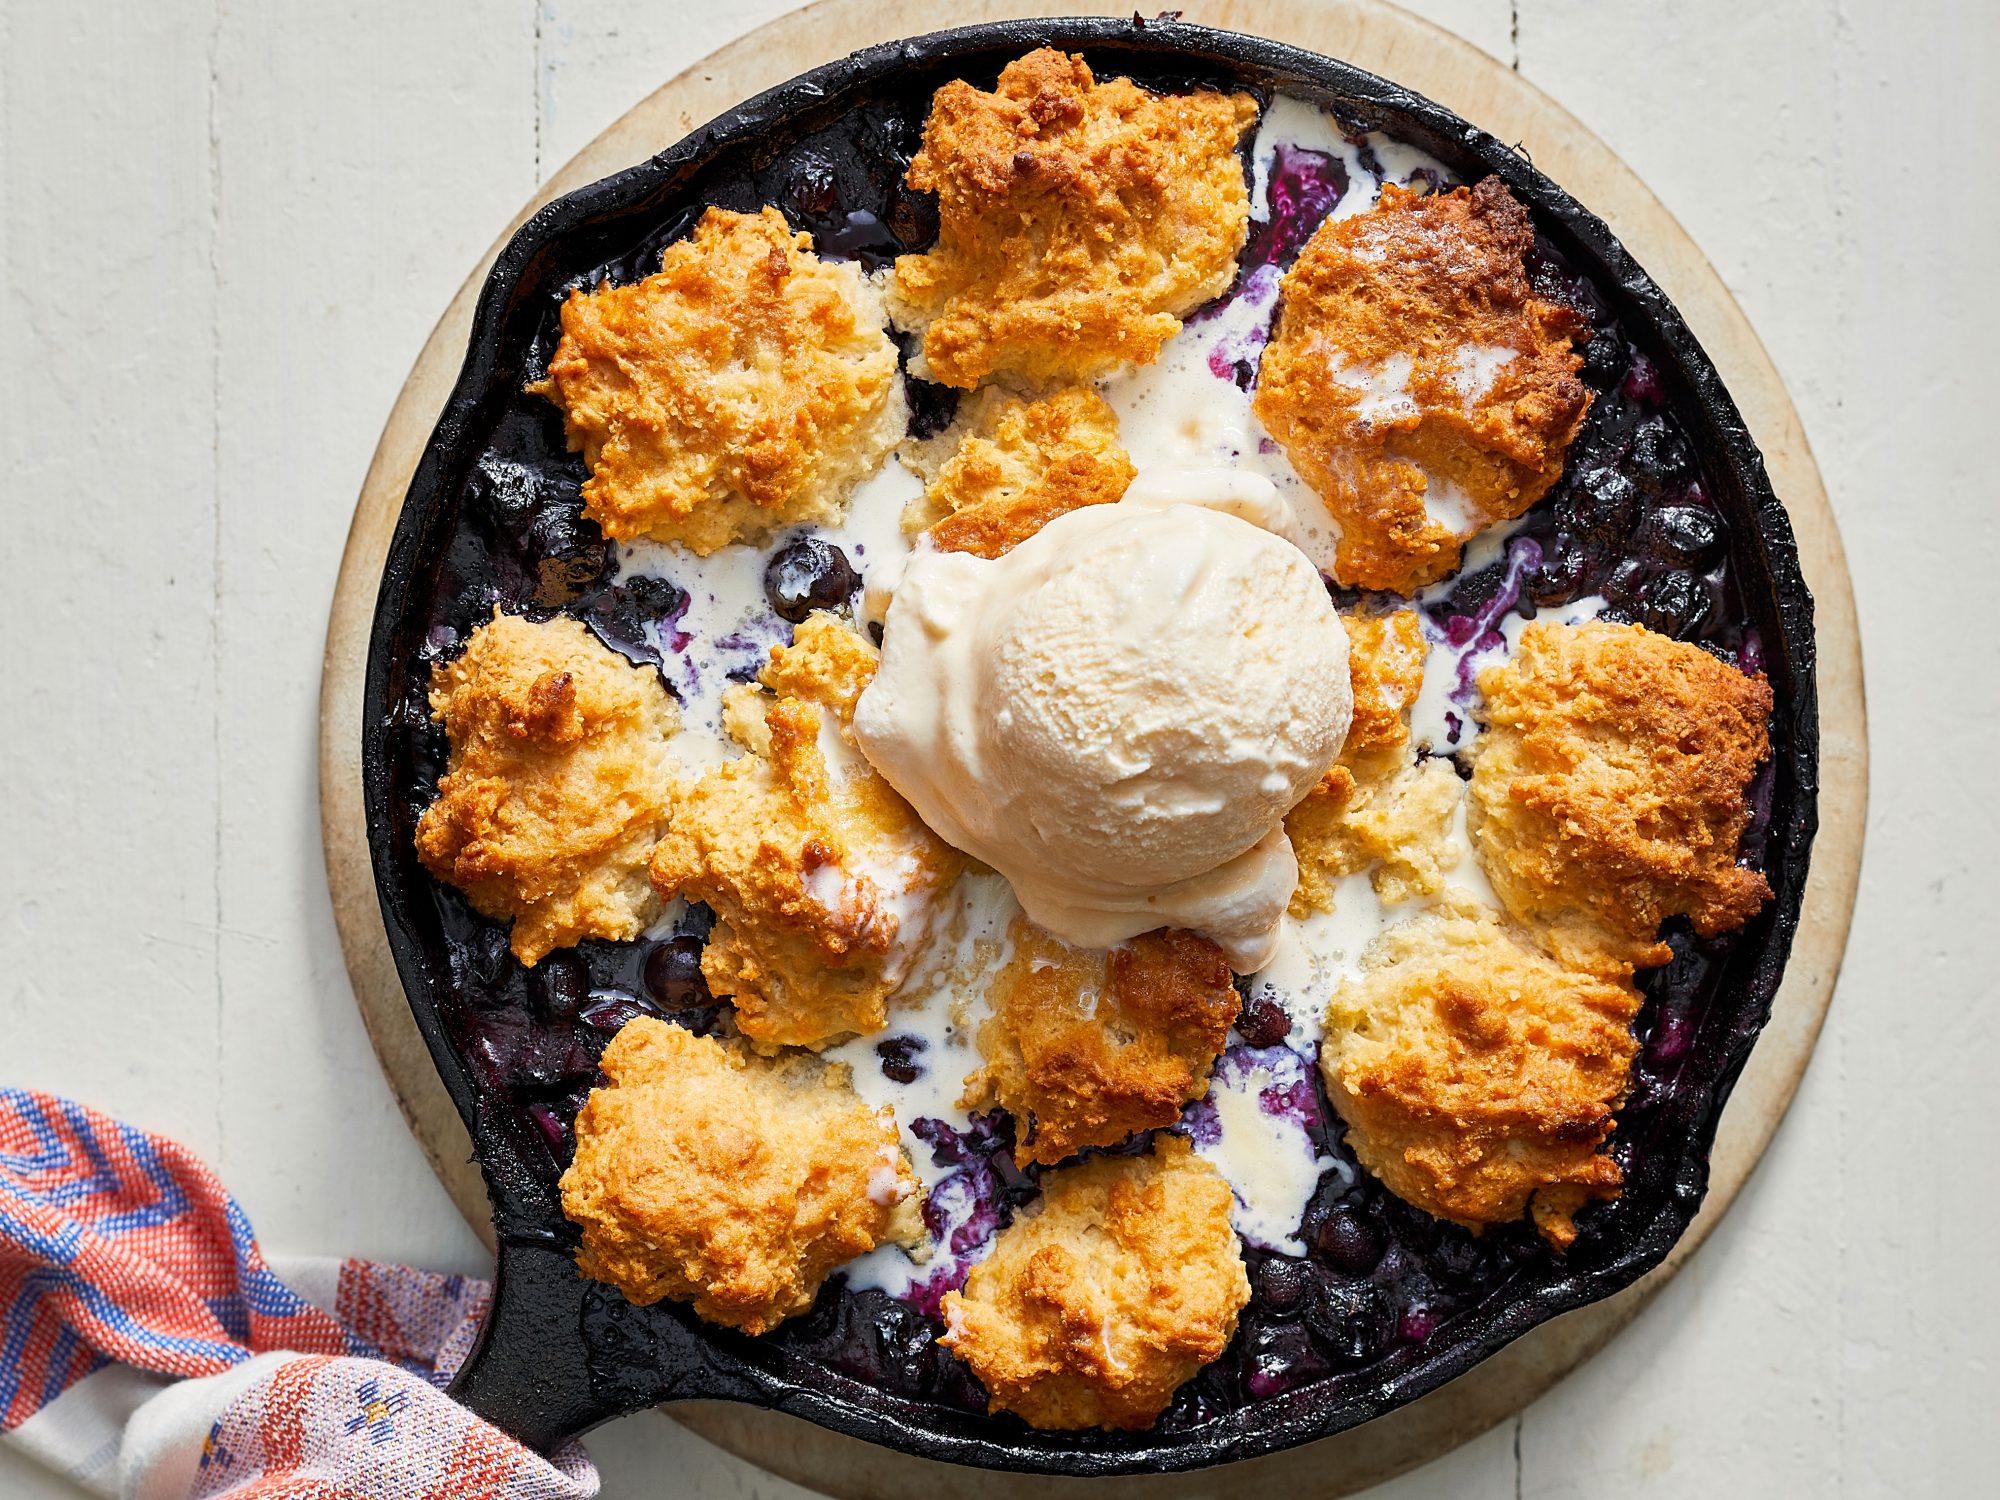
[1387,41]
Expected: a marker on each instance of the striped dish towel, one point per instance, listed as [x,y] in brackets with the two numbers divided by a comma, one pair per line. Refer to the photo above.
[148,1351]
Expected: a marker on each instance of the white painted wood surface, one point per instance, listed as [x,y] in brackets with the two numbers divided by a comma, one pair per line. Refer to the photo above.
[226,229]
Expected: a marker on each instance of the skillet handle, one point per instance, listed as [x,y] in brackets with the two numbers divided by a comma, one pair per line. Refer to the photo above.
[559,1355]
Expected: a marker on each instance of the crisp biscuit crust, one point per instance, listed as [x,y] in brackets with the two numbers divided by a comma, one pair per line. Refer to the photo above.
[1078,222]
[745,387]
[1377,805]
[1478,1077]
[1007,467]
[823,880]
[1385,671]
[1383,381]
[1087,1047]
[1610,789]
[716,1178]
[1397,822]
[1094,1311]
[559,782]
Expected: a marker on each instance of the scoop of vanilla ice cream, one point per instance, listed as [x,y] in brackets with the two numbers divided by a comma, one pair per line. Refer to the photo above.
[1117,714]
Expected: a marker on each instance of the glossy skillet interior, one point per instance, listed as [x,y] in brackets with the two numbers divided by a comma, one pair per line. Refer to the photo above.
[559,1354]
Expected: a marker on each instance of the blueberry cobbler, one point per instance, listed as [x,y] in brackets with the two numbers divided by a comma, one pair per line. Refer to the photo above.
[1114,764]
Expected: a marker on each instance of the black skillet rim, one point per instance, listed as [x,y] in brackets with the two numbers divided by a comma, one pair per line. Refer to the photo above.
[537,1372]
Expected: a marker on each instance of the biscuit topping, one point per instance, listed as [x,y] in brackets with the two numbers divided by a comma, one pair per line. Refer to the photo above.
[1417,383]
[712,1177]
[1611,789]
[559,783]
[822,879]
[1092,1312]
[1078,221]
[1478,1077]
[744,387]
[1088,1048]
[1007,467]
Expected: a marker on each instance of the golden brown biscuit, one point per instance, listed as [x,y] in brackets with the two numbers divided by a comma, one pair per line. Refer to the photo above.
[1094,1311]
[1086,1047]
[823,880]
[727,1181]
[1385,671]
[1078,222]
[1383,381]
[1609,789]
[559,782]
[1007,467]
[743,388]
[1398,823]
[1478,1077]
[1378,805]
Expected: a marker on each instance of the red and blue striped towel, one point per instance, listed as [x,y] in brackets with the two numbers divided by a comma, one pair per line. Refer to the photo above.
[147,1349]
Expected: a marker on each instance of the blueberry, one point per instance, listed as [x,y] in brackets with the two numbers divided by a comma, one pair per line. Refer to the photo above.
[1604,360]
[490,959]
[553,1130]
[1658,456]
[1603,506]
[1282,1286]
[1350,1243]
[1642,381]
[1016,1186]
[932,406]
[1192,1407]
[1416,1324]
[1351,1320]
[1278,1356]
[1672,1036]
[862,236]
[562,531]
[1622,587]
[652,598]
[913,217]
[812,189]
[495,1040]
[1457,1256]
[899,1058]
[1554,282]
[1675,603]
[560,984]
[548,1059]
[609,1010]
[1263,1024]
[1685,533]
[880,1340]
[504,493]
[901,1335]
[1561,575]
[673,975]
[806,575]
[621,614]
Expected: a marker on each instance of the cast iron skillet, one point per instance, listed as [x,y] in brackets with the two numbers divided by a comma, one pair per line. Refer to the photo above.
[560,1355]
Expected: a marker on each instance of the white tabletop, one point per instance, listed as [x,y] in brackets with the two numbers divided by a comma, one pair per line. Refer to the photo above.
[227,229]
